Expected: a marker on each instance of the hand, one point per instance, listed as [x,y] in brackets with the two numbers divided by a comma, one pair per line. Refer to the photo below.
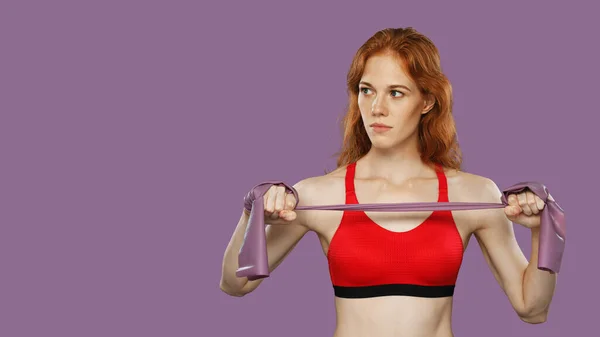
[524,208]
[279,205]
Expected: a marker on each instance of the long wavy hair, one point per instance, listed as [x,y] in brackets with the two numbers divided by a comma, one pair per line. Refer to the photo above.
[438,143]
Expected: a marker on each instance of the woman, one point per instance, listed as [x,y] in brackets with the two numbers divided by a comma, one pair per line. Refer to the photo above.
[394,273]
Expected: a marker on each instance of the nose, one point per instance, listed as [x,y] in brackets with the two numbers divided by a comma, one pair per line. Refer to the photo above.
[378,107]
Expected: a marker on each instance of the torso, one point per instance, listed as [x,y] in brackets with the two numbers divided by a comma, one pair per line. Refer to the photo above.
[392,315]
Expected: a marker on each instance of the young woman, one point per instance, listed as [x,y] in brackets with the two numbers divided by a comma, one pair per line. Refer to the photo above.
[394,273]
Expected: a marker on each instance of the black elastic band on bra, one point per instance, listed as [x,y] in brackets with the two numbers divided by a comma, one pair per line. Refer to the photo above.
[394,290]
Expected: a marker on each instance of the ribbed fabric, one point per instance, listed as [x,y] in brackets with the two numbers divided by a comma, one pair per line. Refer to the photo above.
[367,260]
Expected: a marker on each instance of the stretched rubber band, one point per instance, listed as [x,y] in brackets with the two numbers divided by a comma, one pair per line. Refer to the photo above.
[253,259]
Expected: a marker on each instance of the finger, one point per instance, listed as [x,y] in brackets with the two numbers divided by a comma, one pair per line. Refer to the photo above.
[288,215]
[290,201]
[522,199]
[512,211]
[540,203]
[536,203]
[532,203]
[269,199]
[279,198]
[513,208]
[270,203]
[512,200]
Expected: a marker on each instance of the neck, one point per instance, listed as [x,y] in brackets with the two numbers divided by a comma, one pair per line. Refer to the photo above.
[395,164]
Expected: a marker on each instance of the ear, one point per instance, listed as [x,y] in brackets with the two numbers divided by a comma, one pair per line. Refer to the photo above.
[428,104]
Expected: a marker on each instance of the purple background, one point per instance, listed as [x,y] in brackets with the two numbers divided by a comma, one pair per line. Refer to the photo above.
[120,122]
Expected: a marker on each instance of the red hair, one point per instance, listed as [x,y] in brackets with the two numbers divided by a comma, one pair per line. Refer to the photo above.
[438,142]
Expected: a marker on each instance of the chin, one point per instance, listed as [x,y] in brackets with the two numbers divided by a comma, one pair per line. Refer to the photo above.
[381,144]
[388,143]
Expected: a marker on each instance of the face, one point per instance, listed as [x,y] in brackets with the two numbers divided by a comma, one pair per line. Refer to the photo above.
[390,103]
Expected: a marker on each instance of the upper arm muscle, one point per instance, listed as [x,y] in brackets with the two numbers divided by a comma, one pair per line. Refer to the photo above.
[496,237]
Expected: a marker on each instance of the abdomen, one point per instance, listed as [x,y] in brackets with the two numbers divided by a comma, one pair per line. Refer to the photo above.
[394,316]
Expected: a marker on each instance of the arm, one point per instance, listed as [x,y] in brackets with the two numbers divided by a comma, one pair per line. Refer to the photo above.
[528,289]
[281,239]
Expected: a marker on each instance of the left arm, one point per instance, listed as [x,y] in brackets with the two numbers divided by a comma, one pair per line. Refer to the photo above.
[528,289]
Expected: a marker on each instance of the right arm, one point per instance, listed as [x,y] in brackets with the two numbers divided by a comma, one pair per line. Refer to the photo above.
[281,235]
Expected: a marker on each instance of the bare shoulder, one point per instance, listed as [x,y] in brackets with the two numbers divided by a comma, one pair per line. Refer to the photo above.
[317,190]
[325,189]
[470,187]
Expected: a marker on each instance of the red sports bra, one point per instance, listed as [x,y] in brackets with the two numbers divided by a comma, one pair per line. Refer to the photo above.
[367,260]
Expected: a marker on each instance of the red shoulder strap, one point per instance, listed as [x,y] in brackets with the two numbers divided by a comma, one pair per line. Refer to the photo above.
[442,184]
[350,194]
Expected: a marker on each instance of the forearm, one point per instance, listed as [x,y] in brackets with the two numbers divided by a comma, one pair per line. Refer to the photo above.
[230,283]
[538,285]
[282,233]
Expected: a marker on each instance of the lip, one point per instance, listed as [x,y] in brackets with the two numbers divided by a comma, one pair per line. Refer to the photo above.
[379,125]
[380,128]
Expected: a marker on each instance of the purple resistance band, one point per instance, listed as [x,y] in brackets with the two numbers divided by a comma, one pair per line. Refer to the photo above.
[253,261]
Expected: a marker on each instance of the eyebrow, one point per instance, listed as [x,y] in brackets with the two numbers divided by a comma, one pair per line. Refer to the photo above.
[390,86]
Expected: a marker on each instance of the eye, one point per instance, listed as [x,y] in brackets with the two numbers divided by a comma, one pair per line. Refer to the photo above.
[397,92]
[364,90]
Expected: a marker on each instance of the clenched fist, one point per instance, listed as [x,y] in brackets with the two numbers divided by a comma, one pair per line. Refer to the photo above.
[524,209]
[279,206]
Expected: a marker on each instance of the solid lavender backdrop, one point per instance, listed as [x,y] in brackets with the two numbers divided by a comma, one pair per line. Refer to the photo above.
[130,132]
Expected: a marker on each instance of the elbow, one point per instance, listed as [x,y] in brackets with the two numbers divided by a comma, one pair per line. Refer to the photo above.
[231,291]
[534,318]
